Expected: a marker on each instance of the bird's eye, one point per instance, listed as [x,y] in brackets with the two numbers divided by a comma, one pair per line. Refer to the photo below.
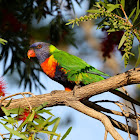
[39,46]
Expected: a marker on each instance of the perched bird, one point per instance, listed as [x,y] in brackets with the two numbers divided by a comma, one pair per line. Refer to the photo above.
[67,69]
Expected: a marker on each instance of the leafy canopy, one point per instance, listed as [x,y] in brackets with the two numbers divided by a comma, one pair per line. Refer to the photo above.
[115,22]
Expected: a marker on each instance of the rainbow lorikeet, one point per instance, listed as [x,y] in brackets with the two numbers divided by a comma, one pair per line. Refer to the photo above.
[67,69]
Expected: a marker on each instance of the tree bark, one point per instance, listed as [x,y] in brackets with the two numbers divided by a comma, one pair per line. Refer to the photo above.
[81,94]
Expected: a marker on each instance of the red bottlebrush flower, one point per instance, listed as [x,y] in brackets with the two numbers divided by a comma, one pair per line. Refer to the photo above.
[2,87]
[24,115]
[110,42]
[10,22]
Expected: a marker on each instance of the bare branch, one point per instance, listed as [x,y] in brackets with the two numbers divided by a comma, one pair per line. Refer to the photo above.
[123,127]
[126,120]
[100,108]
[137,121]
[115,123]
[125,15]
[127,78]
[2,136]
[106,132]
[97,115]
[68,99]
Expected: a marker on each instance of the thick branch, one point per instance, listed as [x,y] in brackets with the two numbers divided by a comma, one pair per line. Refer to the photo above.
[68,99]
[60,97]
[97,115]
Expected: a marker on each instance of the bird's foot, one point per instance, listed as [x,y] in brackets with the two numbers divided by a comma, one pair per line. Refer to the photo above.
[54,91]
[75,88]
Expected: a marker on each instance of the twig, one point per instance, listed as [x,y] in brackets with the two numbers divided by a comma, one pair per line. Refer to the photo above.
[2,136]
[68,99]
[137,122]
[117,124]
[122,126]
[126,120]
[125,91]
[125,15]
[126,114]
[97,115]
[30,107]
[100,108]
[48,136]
[115,102]
[135,31]
[105,136]
[4,98]
[22,93]
[138,117]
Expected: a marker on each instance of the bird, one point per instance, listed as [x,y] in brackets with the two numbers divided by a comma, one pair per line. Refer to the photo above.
[67,69]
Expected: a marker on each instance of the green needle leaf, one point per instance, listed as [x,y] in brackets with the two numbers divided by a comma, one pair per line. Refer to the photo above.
[123,3]
[104,3]
[32,116]
[15,132]
[2,41]
[112,7]
[41,106]
[8,103]
[94,11]
[55,127]
[7,113]
[67,132]
[24,123]
[137,12]
[50,132]
[44,123]
[122,41]
[132,13]
[138,60]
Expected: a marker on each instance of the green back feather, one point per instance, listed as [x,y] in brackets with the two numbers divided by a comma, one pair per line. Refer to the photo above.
[77,69]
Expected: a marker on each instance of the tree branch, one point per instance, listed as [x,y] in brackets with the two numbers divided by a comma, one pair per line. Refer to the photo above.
[97,115]
[100,108]
[60,97]
[123,127]
[115,123]
[73,100]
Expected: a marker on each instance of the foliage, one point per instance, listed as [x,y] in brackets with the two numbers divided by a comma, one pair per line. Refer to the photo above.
[28,124]
[2,41]
[2,87]
[110,42]
[115,23]
[20,28]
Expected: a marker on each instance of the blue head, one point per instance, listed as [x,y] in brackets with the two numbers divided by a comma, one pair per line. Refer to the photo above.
[39,50]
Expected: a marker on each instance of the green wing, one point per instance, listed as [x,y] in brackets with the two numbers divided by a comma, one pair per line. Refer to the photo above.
[77,69]
[68,61]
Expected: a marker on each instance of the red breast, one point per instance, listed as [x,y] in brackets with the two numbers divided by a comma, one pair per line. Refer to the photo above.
[49,66]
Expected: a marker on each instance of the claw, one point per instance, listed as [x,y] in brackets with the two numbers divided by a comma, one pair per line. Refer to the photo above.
[75,88]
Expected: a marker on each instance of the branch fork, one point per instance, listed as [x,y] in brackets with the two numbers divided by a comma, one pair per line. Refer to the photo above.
[79,101]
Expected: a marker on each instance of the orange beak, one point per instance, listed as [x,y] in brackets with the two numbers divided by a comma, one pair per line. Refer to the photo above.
[31,53]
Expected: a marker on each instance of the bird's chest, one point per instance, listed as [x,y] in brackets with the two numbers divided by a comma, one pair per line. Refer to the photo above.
[49,66]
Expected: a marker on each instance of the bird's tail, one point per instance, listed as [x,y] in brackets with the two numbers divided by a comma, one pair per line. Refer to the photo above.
[124,96]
